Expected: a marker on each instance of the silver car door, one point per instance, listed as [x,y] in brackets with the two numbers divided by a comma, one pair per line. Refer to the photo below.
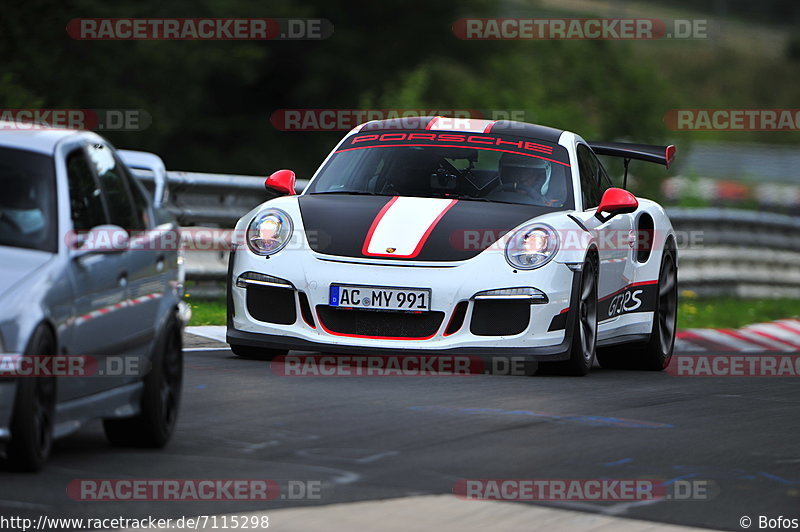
[133,335]
[99,281]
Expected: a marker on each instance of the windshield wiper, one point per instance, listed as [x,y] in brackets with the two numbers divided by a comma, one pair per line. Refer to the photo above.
[474,198]
[351,192]
[460,197]
[480,198]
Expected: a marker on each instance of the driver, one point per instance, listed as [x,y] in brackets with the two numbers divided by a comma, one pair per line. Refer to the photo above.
[526,175]
[18,206]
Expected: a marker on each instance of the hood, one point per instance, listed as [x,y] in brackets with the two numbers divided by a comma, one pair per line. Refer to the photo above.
[17,264]
[408,228]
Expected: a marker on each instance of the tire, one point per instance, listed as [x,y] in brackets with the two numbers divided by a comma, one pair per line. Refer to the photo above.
[655,354]
[161,397]
[34,412]
[256,353]
[584,335]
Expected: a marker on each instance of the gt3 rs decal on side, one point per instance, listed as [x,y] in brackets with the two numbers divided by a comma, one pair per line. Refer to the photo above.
[637,297]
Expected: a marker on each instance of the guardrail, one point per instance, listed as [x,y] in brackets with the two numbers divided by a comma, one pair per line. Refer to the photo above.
[740,253]
[730,252]
[208,199]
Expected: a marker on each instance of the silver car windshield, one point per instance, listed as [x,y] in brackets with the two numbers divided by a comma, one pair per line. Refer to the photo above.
[27,200]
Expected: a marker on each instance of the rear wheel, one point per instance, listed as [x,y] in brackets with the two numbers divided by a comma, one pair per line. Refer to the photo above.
[256,353]
[34,412]
[161,398]
[656,353]
[584,335]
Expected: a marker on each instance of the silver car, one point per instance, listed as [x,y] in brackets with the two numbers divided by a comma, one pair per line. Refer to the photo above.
[89,271]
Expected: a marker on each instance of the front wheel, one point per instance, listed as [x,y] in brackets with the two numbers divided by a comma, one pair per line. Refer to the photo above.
[34,412]
[161,397]
[584,334]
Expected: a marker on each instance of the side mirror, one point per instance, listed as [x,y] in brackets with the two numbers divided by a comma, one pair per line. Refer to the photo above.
[100,239]
[282,182]
[617,201]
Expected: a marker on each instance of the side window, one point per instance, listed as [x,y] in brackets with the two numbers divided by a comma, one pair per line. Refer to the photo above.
[141,203]
[85,196]
[588,167]
[605,181]
[112,181]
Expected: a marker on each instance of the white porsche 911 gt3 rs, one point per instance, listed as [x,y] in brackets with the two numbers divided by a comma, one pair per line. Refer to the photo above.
[459,236]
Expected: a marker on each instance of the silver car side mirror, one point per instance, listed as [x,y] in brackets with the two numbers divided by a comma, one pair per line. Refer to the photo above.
[105,238]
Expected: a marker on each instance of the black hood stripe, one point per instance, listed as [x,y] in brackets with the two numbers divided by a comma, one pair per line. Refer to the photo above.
[340,224]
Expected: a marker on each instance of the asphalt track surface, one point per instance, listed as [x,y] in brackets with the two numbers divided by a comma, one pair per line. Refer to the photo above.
[373,438]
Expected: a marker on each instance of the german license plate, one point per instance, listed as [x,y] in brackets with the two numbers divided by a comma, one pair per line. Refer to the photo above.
[380,298]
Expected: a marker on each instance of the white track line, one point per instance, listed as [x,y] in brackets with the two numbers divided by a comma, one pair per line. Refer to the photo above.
[213,332]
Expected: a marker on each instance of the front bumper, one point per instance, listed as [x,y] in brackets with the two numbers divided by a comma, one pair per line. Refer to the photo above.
[544,353]
[547,335]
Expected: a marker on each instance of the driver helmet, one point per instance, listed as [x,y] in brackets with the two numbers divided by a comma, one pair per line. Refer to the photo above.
[525,172]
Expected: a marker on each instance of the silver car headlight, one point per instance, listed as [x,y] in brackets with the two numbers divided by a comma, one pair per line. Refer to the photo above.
[269,232]
[532,246]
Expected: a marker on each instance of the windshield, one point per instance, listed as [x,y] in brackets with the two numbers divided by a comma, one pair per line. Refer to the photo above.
[450,165]
[27,200]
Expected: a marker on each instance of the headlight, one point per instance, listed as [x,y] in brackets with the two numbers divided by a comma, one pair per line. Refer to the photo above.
[532,246]
[269,232]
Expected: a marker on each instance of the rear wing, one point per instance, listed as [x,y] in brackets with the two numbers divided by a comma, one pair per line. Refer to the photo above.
[642,152]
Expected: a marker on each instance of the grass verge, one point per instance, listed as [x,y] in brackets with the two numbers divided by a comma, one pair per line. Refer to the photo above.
[730,313]
[207,311]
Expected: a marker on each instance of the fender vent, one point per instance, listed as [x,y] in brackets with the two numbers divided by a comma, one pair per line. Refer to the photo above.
[644,238]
